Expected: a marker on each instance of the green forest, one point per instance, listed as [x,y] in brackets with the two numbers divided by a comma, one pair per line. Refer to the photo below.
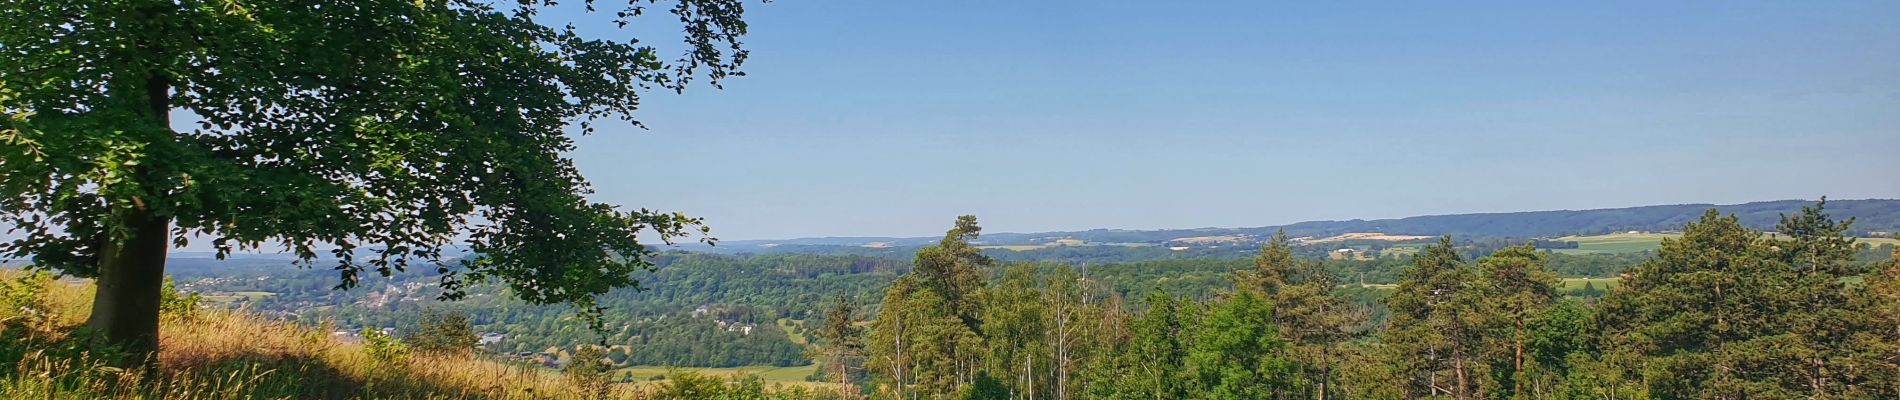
[1723,312]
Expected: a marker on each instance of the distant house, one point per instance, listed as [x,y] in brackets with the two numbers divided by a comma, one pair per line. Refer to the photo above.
[489,338]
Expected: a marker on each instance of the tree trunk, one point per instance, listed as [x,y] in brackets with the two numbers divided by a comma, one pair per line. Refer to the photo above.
[1517,368]
[132,269]
[131,273]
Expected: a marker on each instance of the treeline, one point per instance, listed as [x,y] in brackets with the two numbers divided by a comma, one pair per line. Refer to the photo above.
[689,340]
[1724,312]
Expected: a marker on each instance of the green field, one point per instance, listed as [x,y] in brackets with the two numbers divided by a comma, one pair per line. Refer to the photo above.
[768,373]
[1615,243]
[787,325]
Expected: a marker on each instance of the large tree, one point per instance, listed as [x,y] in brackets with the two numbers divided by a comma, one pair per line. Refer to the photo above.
[1309,315]
[1701,319]
[925,338]
[1431,334]
[1516,291]
[381,133]
[843,340]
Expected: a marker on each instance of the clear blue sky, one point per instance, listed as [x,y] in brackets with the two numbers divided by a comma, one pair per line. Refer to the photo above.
[891,117]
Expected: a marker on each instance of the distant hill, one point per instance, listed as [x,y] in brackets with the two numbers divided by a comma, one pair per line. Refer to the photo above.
[1872,216]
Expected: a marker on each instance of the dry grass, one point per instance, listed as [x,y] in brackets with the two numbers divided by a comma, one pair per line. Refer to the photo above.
[220,354]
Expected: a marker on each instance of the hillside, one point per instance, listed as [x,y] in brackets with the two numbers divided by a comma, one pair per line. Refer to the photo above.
[1872,217]
[216,354]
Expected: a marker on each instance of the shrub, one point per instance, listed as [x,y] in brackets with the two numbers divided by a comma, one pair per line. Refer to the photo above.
[173,304]
[587,371]
[442,333]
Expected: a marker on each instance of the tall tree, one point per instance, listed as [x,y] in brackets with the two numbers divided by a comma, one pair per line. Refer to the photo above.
[1068,319]
[1236,353]
[926,333]
[1876,364]
[892,334]
[1820,256]
[1699,320]
[1517,290]
[1309,315]
[395,127]
[1013,326]
[843,341]
[1431,333]
[1151,363]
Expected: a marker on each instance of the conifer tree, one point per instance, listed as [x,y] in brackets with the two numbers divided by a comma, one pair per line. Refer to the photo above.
[842,342]
[1517,290]
[1432,334]
[1700,320]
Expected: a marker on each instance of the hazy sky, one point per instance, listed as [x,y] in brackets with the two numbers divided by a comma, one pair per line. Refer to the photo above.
[891,117]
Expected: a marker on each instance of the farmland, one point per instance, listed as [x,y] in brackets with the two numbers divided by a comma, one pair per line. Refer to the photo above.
[1632,242]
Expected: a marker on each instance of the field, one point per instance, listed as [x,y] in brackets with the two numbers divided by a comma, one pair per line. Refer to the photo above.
[235,296]
[771,375]
[1059,243]
[1615,243]
[1649,241]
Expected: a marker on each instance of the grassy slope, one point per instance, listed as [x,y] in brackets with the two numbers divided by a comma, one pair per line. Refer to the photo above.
[221,355]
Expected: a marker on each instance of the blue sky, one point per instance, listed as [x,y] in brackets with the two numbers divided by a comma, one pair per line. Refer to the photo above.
[891,117]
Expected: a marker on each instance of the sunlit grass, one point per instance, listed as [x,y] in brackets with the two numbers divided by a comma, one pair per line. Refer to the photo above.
[225,354]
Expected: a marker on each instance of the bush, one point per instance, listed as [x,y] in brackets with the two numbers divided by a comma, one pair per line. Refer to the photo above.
[442,333]
[23,302]
[383,348]
[587,370]
[173,304]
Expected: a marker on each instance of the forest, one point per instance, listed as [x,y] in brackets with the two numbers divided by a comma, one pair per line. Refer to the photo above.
[1724,312]
[771,293]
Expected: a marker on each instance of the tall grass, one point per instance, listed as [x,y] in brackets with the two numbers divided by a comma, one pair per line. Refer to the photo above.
[224,354]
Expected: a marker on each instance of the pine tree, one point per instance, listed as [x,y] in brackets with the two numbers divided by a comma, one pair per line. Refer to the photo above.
[1432,334]
[1517,290]
[1823,321]
[1875,363]
[842,342]
[1701,319]
[1309,315]
[926,335]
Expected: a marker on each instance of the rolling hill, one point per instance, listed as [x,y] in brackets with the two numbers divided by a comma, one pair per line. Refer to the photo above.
[1872,217]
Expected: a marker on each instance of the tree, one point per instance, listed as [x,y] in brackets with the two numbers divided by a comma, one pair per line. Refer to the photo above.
[1699,320]
[377,133]
[443,333]
[1431,325]
[587,370]
[1876,360]
[926,333]
[1309,315]
[890,331]
[1013,326]
[1068,311]
[842,342]
[1820,254]
[1235,355]
[1517,290]
[1151,364]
